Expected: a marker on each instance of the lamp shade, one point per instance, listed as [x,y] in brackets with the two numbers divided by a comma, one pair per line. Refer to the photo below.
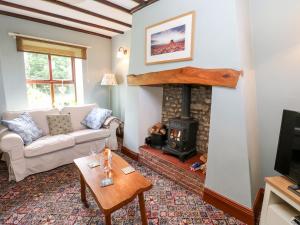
[109,79]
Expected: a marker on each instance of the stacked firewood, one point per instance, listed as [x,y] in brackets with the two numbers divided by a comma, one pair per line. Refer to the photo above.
[158,128]
[203,159]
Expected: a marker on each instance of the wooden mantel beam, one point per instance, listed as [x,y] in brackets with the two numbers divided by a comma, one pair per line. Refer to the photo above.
[188,75]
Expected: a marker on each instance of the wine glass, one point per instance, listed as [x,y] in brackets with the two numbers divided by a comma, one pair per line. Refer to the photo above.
[93,152]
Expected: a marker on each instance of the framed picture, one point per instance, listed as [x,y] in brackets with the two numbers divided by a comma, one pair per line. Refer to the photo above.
[170,40]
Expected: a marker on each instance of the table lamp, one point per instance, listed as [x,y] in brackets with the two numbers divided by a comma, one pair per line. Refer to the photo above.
[109,80]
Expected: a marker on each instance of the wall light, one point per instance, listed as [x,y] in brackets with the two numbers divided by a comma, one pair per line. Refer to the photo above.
[122,52]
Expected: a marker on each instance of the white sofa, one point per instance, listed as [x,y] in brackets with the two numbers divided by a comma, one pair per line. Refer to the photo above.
[50,152]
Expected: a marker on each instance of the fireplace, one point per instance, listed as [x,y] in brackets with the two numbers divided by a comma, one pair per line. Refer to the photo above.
[162,100]
[187,115]
[182,131]
[200,110]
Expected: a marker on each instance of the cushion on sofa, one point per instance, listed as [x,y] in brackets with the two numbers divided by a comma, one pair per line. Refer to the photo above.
[96,117]
[49,144]
[87,135]
[59,124]
[39,116]
[24,126]
[78,113]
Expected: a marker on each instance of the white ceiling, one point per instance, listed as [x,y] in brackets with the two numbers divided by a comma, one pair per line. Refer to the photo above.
[84,20]
[128,4]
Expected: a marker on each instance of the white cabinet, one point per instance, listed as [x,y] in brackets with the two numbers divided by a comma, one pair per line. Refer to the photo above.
[280,214]
[280,205]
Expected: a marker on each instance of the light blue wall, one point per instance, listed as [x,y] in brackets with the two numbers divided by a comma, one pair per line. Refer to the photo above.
[12,67]
[250,103]
[217,45]
[276,41]
[120,69]
[215,35]
[2,97]
[12,62]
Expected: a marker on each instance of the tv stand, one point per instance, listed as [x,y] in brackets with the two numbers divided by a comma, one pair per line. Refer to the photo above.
[295,188]
[280,204]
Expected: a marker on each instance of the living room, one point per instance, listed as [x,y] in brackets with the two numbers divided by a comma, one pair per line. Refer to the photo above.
[190,106]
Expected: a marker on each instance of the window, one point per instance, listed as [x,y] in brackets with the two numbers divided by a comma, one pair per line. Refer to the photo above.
[50,80]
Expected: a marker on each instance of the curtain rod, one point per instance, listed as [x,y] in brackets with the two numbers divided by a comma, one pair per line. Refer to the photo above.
[14,35]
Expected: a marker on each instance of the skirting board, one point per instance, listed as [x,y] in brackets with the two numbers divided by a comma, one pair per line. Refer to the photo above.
[257,206]
[244,214]
[130,153]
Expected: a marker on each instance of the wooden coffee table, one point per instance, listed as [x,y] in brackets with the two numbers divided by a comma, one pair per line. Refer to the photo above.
[113,197]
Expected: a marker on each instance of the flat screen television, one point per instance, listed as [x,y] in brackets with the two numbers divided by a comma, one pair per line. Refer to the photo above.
[288,151]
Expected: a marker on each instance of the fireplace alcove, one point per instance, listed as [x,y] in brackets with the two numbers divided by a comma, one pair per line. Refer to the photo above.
[199,79]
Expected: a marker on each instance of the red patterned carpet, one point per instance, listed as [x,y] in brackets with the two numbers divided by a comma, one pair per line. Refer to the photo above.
[53,197]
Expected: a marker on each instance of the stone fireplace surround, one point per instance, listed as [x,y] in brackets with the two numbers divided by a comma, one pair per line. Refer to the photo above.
[162,91]
[201,80]
[200,109]
[233,150]
[170,166]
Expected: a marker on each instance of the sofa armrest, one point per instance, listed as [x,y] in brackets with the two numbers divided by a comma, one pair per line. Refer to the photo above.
[112,123]
[112,120]
[12,144]
[2,129]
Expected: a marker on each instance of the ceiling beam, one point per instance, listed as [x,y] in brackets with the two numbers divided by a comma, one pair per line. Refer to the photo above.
[51,23]
[113,5]
[69,6]
[138,1]
[29,9]
[142,5]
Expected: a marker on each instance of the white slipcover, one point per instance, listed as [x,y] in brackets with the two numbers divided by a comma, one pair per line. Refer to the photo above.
[50,152]
[49,144]
[78,113]
[39,117]
[86,135]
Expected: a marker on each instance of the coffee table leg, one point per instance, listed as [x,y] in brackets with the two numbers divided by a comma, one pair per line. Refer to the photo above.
[142,209]
[83,192]
[108,219]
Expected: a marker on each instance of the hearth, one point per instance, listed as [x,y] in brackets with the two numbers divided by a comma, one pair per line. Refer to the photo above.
[182,131]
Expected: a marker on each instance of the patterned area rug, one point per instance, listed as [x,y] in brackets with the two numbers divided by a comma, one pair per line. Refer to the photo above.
[53,197]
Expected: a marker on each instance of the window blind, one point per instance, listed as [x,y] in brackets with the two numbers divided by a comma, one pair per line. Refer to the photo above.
[47,47]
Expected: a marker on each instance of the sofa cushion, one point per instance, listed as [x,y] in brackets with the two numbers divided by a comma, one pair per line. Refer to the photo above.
[24,126]
[78,113]
[96,117]
[49,144]
[59,124]
[39,116]
[86,135]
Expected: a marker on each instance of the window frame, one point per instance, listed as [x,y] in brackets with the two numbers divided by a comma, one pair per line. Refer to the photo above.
[52,82]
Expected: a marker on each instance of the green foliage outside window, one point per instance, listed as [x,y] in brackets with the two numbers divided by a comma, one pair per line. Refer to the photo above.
[37,71]
[39,95]
[36,66]
[61,68]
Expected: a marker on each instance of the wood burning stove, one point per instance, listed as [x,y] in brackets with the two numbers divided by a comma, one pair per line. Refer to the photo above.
[182,131]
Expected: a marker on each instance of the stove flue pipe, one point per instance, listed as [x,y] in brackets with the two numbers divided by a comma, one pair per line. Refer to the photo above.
[186,101]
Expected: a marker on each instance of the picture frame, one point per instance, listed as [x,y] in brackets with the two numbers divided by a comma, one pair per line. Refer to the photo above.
[171,40]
